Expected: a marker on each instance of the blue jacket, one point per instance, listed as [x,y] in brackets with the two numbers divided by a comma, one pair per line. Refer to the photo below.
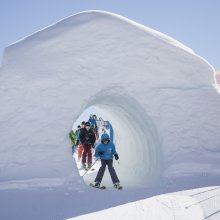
[77,134]
[93,122]
[107,149]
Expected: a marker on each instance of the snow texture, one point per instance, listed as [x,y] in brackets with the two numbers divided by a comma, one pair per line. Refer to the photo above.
[157,93]
[197,204]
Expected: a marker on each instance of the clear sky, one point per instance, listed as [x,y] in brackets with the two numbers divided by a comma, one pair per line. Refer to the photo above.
[195,23]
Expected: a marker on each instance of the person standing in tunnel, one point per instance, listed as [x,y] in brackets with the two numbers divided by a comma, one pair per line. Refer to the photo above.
[73,138]
[92,120]
[87,138]
[105,151]
[77,135]
[80,146]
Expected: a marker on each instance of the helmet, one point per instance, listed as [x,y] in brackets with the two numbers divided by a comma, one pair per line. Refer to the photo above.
[104,137]
[88,123]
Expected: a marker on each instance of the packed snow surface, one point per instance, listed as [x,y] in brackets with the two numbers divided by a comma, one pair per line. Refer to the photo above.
[157,93]
[197,204]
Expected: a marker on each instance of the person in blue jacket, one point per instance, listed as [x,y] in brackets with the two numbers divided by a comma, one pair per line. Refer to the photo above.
[77,134]
[92,121]
[105,151]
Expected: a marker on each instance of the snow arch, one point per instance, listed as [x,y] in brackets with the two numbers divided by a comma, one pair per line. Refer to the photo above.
[135,137]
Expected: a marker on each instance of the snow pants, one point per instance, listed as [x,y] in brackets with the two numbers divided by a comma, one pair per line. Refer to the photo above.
[111,169]
[87,152]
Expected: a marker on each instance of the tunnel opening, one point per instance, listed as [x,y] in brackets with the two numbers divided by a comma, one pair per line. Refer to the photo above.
[135,137]
[103,126]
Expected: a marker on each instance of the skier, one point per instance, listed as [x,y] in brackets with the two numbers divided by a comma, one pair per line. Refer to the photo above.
[105,152]
[92,120]
[83,124]
[73,138]
[77,134]
[80,147]
[96,127]
[87,138]
[95,117]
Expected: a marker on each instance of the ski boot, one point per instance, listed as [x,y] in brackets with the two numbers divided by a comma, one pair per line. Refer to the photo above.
[83,167]
[117,186]
[89,166]
[97,184]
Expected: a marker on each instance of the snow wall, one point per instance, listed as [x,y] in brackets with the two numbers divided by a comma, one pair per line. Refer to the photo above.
[157,93]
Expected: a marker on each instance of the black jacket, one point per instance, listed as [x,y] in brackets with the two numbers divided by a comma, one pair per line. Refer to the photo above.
[87,137]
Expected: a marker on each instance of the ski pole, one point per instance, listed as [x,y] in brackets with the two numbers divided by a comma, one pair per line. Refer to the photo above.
[90,167]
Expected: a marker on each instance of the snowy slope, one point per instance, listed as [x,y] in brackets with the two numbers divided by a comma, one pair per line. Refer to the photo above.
[157,93]
[191,205]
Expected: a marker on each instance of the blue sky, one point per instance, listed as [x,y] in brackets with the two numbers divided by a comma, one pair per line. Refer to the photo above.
[195,23]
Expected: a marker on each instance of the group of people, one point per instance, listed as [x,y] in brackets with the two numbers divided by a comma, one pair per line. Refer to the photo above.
[84,139]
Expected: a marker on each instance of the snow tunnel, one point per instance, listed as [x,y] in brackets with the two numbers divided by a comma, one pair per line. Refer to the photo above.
[145,82]
[135,137]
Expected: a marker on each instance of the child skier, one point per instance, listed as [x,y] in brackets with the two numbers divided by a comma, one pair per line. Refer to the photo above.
[105,151]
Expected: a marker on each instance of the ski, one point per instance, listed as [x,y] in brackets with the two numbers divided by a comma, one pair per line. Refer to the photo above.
[87,169]
[97,187]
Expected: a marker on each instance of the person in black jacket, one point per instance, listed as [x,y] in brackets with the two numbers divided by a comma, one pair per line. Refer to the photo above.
[87,138]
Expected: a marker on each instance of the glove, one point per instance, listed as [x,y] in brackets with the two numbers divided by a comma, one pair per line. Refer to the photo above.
[116,156]
[100,153]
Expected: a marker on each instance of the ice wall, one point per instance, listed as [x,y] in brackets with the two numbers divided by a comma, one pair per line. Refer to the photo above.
[157,93]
